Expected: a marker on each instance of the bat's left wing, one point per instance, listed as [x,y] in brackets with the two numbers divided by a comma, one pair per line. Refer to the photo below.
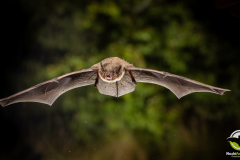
[180,86]
[47,92]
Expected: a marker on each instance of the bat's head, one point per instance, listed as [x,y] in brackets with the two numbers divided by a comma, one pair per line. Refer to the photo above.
[110,72]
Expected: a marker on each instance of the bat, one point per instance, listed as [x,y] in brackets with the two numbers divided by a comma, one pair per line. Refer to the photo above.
[112,76]
[233,139]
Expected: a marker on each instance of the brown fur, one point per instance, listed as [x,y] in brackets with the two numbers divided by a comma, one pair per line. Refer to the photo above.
[110,65]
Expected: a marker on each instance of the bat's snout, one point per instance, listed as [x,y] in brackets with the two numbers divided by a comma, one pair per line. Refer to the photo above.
[108,76]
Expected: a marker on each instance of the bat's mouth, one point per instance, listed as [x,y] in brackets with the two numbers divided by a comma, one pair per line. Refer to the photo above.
[108,77]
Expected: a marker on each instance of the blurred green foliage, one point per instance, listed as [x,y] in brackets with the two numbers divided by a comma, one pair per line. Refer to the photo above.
[149,123]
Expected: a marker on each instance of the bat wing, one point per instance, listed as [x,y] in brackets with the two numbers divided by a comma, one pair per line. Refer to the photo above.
[180,86]
[47,92]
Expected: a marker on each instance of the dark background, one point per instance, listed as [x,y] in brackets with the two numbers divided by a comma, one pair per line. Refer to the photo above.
[44,39]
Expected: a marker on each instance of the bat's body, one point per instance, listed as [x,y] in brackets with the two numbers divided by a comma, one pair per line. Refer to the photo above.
[112,76]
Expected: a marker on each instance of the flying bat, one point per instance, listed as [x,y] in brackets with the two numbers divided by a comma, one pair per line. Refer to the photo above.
[112,76]
[234,139]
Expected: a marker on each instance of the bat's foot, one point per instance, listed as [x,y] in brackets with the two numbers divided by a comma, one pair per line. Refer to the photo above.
[96,81]
[134,81]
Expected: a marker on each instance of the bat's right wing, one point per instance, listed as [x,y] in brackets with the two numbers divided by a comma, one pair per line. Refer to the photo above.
[180,86]
[47,92]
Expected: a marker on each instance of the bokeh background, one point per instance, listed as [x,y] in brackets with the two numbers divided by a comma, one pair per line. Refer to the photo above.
[43,39]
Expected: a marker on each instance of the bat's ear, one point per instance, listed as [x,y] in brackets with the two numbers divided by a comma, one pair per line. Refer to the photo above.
[117,70]
[102,69]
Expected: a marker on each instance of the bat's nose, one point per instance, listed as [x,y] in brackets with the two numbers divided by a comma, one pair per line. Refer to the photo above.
[108,76]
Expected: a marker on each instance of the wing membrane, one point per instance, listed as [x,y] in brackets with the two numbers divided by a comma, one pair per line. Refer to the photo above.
[180,86]
[47,92]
